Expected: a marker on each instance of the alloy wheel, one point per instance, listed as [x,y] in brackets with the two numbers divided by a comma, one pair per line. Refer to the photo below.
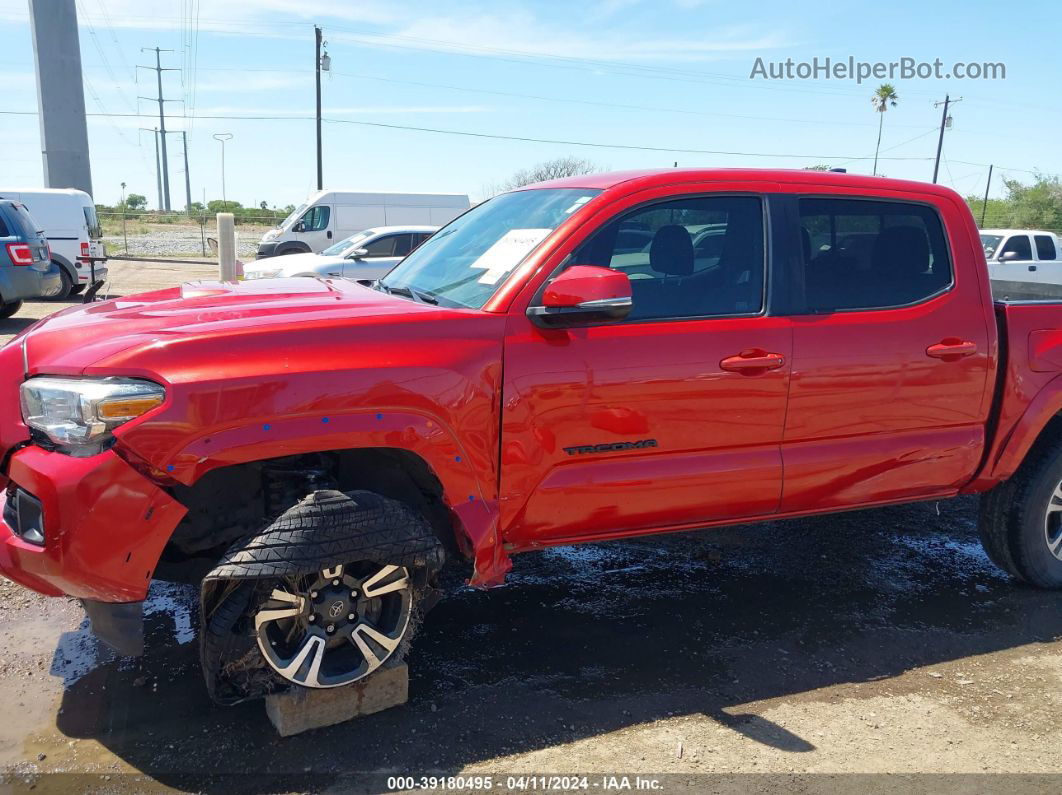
[1053,523]
[337,626]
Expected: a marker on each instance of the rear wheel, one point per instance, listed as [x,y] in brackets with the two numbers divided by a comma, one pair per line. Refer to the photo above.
[1021,519]
[8,309]
[67,285]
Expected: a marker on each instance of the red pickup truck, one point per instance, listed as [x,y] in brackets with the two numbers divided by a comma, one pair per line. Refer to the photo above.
[579,360]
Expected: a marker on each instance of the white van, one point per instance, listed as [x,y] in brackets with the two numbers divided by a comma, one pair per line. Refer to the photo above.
[328,216]
[69,222]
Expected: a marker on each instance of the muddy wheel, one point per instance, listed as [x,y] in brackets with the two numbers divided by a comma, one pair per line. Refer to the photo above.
[1021,519]
[337,626]
[324,596]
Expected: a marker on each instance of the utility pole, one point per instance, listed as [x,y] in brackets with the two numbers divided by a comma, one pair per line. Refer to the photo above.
[984,204]
[158,164]
[317,67]
[60,94]
[187,177]
[158,69]
[945,121]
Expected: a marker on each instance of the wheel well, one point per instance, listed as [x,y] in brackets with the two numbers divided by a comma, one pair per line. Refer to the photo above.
[65,264]
[229,503]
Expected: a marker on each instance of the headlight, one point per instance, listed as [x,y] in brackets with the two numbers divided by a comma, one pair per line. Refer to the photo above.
[272,234]
[78,414]
[260,274]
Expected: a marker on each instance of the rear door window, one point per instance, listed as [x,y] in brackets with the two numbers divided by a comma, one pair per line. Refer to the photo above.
[92,223]
[25,226]
[1045,247]
[868,254]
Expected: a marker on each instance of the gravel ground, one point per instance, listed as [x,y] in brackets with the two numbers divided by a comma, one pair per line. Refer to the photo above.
[806,655]
[154,240]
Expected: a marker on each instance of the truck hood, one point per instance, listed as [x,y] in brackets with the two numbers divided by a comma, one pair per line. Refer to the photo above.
[70,341]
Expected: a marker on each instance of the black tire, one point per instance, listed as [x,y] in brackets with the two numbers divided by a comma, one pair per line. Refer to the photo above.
[77,289]
[8,309]
[67,285]
[1012,520]
[324,529]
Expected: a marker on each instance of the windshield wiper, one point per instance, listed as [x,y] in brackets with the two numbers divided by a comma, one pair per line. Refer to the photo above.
[417,295]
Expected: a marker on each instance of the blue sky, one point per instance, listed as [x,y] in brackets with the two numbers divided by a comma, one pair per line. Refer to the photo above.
[669,74]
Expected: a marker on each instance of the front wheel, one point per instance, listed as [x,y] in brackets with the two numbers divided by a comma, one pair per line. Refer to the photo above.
[334,627]
[1021,520]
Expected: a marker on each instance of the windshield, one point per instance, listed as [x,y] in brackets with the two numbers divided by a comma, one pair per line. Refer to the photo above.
[464,263]
[991,243]
[294,214]
[337,249]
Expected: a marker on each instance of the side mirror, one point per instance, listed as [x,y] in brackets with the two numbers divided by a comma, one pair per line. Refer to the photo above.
[1006,256]
[358,253]
[584,294]
[299,227]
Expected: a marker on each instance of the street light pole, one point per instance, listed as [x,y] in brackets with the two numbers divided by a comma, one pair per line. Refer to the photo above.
[222,138]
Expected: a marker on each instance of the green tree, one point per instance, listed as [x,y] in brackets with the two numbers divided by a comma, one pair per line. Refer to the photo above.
[1035,206]
[219,206]
[884,97]
[134,201]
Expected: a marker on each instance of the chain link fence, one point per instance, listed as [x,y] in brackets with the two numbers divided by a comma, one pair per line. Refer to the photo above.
[155,234]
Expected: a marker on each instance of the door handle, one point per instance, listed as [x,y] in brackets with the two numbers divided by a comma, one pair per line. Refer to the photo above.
[952,349]
[752,362]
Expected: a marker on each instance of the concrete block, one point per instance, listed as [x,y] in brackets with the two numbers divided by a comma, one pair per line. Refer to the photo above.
[301,709]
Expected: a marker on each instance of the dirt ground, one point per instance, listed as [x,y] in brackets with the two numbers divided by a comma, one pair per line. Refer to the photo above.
[807,655]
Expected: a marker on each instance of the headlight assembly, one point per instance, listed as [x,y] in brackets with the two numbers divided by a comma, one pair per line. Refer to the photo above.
[78,414]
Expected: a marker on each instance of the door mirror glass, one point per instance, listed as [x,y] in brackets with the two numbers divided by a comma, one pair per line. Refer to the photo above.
[584,294]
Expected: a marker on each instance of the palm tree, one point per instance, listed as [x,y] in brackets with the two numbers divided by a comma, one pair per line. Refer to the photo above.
[884,96]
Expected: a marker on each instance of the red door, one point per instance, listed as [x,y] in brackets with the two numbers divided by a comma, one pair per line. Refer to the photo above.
[890,365]
[655,421]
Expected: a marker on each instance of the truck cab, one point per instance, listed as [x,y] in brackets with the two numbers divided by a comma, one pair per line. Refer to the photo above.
[1023,255]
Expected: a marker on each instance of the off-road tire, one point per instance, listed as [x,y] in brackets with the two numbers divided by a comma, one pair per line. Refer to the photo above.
[10,308]
[323,529]
[1011,521]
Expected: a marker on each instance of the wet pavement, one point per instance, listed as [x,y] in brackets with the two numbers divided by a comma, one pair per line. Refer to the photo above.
[863,642]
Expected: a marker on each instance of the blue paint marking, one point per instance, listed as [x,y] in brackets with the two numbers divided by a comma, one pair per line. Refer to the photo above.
[324,419]
[265,427]
[170,467]
[458,459]
[379,416]
[471,498]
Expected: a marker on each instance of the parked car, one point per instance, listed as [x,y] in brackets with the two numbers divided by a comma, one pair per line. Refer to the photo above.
[364,255]
[331,215]
[26,267]
[1023,255]
[72,228]
[308,452]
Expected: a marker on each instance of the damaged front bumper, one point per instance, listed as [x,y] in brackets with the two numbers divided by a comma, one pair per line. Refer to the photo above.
[97,534]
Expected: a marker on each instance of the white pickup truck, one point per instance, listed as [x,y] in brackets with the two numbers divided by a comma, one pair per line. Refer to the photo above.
[1023,255]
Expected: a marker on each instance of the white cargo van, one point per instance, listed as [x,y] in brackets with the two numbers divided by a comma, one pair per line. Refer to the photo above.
[328,216]
[68,219]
